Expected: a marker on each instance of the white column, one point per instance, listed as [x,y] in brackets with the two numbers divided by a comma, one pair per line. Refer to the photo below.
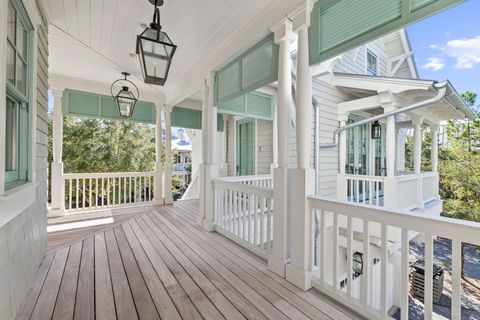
[417,158]
[275,141]
[399,151]
[299,270]
[158,191]
[209,170]
[390,142]
[283,36]
[224,164]
[58,184]
[342,160]
[434,156]
[168,154]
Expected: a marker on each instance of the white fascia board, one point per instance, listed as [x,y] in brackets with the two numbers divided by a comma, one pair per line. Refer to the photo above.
[380,84]
[358,104]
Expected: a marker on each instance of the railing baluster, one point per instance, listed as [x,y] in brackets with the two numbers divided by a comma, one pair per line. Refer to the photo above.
[370,192]
[70,194]
[384,266]
[96,192]
[335,250]
[269,225]
[456,279]
[90,192]
[125,190]
[255,221]
[262,226]
[428,281]
[113,189]
[108,191]
[366,286]
[134,189]
[103,192]
[405,274]
[349,256]
[244,217]
[235,213]
[322,248]
[77,190]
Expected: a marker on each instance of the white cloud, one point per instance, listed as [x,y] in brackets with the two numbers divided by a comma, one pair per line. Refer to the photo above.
[433,46]
[466,52]
[435,64]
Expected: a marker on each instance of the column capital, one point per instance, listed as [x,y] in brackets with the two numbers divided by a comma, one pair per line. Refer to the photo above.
[57,93]
[434,126]
[417,120]
[283,31]
[168,107]
[301,16]
[342,117]
[209,79]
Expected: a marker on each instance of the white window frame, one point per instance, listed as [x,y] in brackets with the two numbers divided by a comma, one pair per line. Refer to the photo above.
[373,53]
[15,201]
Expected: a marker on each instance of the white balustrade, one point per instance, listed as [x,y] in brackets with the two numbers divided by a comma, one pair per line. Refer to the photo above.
[243,211]
[87,191]
[343,228]
[406,191]
[429,186]
[364,189]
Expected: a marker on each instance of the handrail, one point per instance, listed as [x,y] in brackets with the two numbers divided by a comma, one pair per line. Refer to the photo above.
[107,174]
[246,178]
[260,191]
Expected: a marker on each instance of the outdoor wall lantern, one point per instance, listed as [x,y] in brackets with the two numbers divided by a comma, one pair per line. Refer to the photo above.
[125,99]
[376,130]
[155,50]
[357,265]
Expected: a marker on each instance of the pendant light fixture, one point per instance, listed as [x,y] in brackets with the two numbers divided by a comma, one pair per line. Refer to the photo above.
[155,50]
[125,99]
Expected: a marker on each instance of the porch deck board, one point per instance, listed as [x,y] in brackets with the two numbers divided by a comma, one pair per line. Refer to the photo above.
[159,264]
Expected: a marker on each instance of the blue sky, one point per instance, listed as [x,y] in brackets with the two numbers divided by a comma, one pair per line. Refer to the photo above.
[447,46]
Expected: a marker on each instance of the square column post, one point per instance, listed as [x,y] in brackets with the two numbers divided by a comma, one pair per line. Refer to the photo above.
[417,158]
[168,154]
[434,156]
[274,141]
[277,258]
[158,187]
[390,194]
[58,184]
[342,160]
[209,169]
[299,270]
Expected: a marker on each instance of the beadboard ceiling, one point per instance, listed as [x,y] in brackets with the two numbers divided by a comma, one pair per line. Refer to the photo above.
[93,39]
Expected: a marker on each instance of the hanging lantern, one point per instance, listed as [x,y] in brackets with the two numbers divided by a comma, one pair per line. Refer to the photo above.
[125,99]
[155,50]
[376,130]
[357,265]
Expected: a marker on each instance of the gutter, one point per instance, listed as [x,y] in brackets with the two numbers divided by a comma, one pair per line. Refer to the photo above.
[442,90]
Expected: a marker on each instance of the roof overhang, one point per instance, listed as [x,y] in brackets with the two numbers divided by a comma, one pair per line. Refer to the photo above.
[402,92]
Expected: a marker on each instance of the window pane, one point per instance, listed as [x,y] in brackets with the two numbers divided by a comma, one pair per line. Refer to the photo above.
[371,64]
[22,41]
[11,136]
[10,63]
[11,22]
[21,76]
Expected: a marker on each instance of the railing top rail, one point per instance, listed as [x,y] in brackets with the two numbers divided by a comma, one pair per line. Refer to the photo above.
[365,177]
[258,191]
[246,178]
[465,231]
[107,175]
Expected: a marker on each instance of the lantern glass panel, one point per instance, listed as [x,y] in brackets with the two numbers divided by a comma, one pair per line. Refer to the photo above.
[125,103]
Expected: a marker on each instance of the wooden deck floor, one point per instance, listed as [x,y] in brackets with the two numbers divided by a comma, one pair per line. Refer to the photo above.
[160,265]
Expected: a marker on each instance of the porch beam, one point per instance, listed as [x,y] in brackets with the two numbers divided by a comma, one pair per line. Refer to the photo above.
[358,104]
[58,184]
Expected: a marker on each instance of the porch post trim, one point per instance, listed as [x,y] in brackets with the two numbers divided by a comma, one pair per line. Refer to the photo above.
[158,191]
[168,154]
[58,184]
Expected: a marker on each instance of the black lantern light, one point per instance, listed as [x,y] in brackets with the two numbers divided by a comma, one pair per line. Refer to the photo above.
[376,130]
[155,50]
[125,99]
[357,266]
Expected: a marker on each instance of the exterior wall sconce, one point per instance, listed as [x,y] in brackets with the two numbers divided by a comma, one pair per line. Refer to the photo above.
[125,99]
[357,265]
[155,50]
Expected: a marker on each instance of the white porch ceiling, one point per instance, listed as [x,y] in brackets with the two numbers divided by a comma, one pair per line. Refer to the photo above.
[92,39]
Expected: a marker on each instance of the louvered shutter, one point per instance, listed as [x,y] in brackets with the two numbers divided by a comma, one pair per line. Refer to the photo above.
[252,105]
[251,70]
[340,25]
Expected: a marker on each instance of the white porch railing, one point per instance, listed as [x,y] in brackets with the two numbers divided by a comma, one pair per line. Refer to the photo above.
[344,228]
[365,189]
[243,211]
[429,186]
[193,189]
[87,191]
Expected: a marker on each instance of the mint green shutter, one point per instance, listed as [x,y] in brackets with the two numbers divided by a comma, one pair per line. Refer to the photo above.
[252,105]
[340,25]
[246,148]
[191,119]
[253,69]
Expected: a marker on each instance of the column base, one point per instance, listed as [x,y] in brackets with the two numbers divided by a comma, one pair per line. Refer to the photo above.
[277,265]
[299,277]
[56,213]
[159,202]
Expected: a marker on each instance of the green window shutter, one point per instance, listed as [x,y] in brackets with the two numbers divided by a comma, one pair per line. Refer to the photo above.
[253,69]
[253,105]
[340,25]
[191,119]
[91,105]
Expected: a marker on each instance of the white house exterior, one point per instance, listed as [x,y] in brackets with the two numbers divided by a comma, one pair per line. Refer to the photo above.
[301,115]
